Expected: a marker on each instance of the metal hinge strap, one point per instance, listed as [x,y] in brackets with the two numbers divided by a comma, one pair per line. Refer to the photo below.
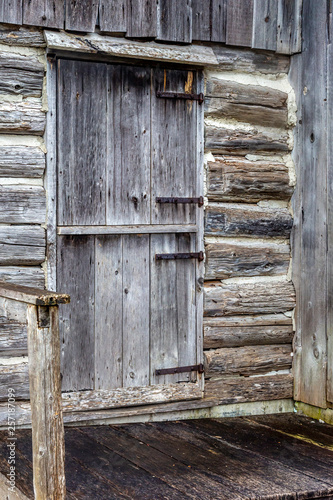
[174,199]
[181,369]
[174,256]
[179,95]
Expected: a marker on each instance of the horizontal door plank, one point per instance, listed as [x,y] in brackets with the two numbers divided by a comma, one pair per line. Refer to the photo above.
[262,297]
[232,59]
[235,178]
[21,161]
[20,75]
[22,205]
[247,360]
[23,245]
[22,117]
[251,221]
[133,229]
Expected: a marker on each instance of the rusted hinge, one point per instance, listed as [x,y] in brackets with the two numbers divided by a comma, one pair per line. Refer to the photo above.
[172,199]
[174,256]
[179,95]
[181,369]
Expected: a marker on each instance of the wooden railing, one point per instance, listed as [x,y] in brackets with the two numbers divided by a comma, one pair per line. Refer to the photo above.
[45,387]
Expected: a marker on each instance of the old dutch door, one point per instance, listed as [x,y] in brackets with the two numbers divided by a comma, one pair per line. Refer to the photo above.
[129,231]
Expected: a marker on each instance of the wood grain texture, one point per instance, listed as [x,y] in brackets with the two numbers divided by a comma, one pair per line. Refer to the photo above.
[263,297]
[11,11]
[247,220]
[241,141]
[25,276]
[22,117]
[22,245]
[218,20]
[48,13]
[15,377]
[234,178]
[289,35]
[23,37]
[175,21]
[248,61]
[21,161]
[22,204]
[32,296]
[247,360]
[225,260]
[264,35]
[20,75]
[330,228]
[142,19]
[81,16]
[113,15]
[13,338]
[239,22]
[201,20]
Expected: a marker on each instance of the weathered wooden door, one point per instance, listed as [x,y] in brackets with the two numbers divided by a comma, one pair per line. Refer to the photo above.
[122,145]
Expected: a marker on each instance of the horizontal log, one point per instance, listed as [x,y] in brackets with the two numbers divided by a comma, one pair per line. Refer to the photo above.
[228,140]
[22,205]
[250,61]
[247,360]
[22,117]
[13,337]
[246,220]
[23,245]
[249,321]
[21,161]
[246,389]
[240,93]
[263,297]
[239,259]
[216,107]
[14,376]
[20,75]
[235,178]
[24,37]
[25,276]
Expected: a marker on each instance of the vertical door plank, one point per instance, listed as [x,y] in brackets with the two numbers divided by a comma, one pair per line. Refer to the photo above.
[174,147]
[289,36]
[239,22]
[11,11]
[108,312]
[218,20]
[201,16]
[175,21]
[113,15]
[142,19]
[48,13]
[82,139]
[136,293]
[128,170]
[330,227]
[265,24]
[75,274]
[82,15]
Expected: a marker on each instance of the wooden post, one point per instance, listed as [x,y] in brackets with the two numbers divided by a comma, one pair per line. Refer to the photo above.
[45,397]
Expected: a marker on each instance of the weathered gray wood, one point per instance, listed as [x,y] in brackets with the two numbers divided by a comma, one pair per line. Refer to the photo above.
[246,331]
[142,19]
[248,61]
[173,153]
[265,15]
[247,360]
[14,376]
[247,220]
[225,260]
[33,296]
[240,93]
[109,312]
[218,20]
[81,16]
[25,276]
[201,20]
[289,35]
[22,117]
[23,245]
[239,22]
[175,21]
[76,275]
[26,37]
[229,140]
[133,229]
[136,311]
[194,55]
[48,13]
[330,228]
[20,75]
[45,396]
[263,297]
[216,107]
[129,142]
[113,15]
[82,101]
[11,11]
[13,337]
[234,178]
[22,204]
[236,389]
[21,161]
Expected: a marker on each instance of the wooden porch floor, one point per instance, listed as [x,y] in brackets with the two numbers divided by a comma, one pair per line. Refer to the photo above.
[266,457]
